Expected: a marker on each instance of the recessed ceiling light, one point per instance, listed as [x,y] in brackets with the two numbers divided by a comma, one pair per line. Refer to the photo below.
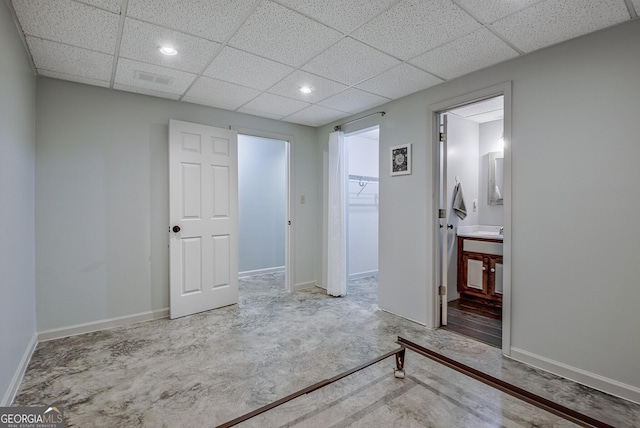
[306,89]
[168,50]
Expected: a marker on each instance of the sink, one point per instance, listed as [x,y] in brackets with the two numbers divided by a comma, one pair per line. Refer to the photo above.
[479,231]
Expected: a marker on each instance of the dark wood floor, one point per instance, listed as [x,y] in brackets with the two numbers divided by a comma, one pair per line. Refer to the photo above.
[481,322]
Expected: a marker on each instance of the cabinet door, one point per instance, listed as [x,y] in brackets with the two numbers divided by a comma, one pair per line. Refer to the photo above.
[495,272]
[474,274]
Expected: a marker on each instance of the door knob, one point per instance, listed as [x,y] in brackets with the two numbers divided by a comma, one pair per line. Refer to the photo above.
[176,229]
[493,270]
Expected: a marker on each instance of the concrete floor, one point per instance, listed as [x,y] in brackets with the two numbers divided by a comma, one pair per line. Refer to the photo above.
[209,368]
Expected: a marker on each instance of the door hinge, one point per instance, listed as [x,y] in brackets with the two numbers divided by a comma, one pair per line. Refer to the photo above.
[442,290]
[443,136]
[442,213]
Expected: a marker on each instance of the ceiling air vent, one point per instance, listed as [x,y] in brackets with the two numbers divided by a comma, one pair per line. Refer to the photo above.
[152,78]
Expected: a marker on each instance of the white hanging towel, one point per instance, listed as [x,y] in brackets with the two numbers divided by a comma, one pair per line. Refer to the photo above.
[458,205]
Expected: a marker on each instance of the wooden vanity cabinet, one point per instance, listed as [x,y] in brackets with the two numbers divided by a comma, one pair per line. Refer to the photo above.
[480,274]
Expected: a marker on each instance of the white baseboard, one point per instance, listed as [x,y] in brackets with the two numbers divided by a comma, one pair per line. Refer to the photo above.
[406,318]
[363,274]
[11,392]
[304,286]
[89,327]
[592,380]
[248,273]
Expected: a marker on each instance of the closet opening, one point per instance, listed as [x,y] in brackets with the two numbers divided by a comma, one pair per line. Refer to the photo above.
[362,210]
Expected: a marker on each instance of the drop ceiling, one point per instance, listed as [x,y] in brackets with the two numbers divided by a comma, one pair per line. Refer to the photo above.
[482,111]
[252,56]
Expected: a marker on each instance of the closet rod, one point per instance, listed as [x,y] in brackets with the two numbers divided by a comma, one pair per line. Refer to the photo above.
[339,127]
[363,178]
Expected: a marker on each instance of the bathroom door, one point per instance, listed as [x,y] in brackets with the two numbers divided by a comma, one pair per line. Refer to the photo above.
[443,215]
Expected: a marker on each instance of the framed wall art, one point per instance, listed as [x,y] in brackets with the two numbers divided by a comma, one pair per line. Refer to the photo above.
[401,159]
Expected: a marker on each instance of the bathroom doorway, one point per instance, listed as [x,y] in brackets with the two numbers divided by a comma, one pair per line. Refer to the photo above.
[362,213]
[472,197]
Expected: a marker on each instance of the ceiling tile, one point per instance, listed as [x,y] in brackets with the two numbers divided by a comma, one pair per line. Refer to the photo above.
[70,60]
[275,105]
[259,113]
[322,88]
[552,22]
[216,93]
[342,15]
[273,31]
[400,81]
[213,20]
[140,41]
[136,74]
[240,67]
[110,5]
[488,11]
[353,101]
[350,62]
[146,91]
[315,116]
[69,22]
[63,76]
[469,53]
[412,27]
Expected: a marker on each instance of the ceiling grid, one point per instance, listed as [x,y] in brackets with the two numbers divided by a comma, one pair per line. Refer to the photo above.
[253,56]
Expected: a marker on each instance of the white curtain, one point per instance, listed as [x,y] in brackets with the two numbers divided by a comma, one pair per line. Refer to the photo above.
[337,239]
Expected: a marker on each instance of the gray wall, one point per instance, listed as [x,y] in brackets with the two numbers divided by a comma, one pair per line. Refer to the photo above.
[17,160]
[262,196]
[462,162]
[102,192]
[575,182]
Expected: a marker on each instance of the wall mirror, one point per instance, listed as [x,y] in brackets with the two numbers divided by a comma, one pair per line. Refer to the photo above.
[496,178]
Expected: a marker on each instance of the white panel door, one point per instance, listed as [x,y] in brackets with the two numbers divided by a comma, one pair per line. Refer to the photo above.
[444,234]
[203,216]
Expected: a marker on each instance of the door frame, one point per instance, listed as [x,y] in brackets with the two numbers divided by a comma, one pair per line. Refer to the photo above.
[289,230]
[434,111]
